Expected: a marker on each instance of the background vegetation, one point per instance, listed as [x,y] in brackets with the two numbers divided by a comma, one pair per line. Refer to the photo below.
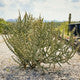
[4,25]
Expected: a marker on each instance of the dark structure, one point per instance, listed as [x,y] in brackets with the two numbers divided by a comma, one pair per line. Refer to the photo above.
[76,27]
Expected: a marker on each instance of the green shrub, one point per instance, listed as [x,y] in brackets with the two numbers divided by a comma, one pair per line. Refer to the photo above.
[64,27]
[3,26]
[34,42]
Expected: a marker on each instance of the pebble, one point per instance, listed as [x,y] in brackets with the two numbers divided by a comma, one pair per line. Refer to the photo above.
[9,70]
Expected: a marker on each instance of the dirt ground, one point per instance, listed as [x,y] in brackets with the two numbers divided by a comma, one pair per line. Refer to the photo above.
[9,69]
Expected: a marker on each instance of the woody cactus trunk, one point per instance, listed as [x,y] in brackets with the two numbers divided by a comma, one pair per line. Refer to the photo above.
[34,42]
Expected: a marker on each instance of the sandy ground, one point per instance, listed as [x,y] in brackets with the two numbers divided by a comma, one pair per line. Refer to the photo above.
[5,54]
[9,69]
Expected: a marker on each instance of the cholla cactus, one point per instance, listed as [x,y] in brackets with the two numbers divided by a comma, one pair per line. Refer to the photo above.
[34,42]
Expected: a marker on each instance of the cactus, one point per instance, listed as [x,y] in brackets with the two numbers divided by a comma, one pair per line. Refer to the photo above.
[34,42]
[69,18]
